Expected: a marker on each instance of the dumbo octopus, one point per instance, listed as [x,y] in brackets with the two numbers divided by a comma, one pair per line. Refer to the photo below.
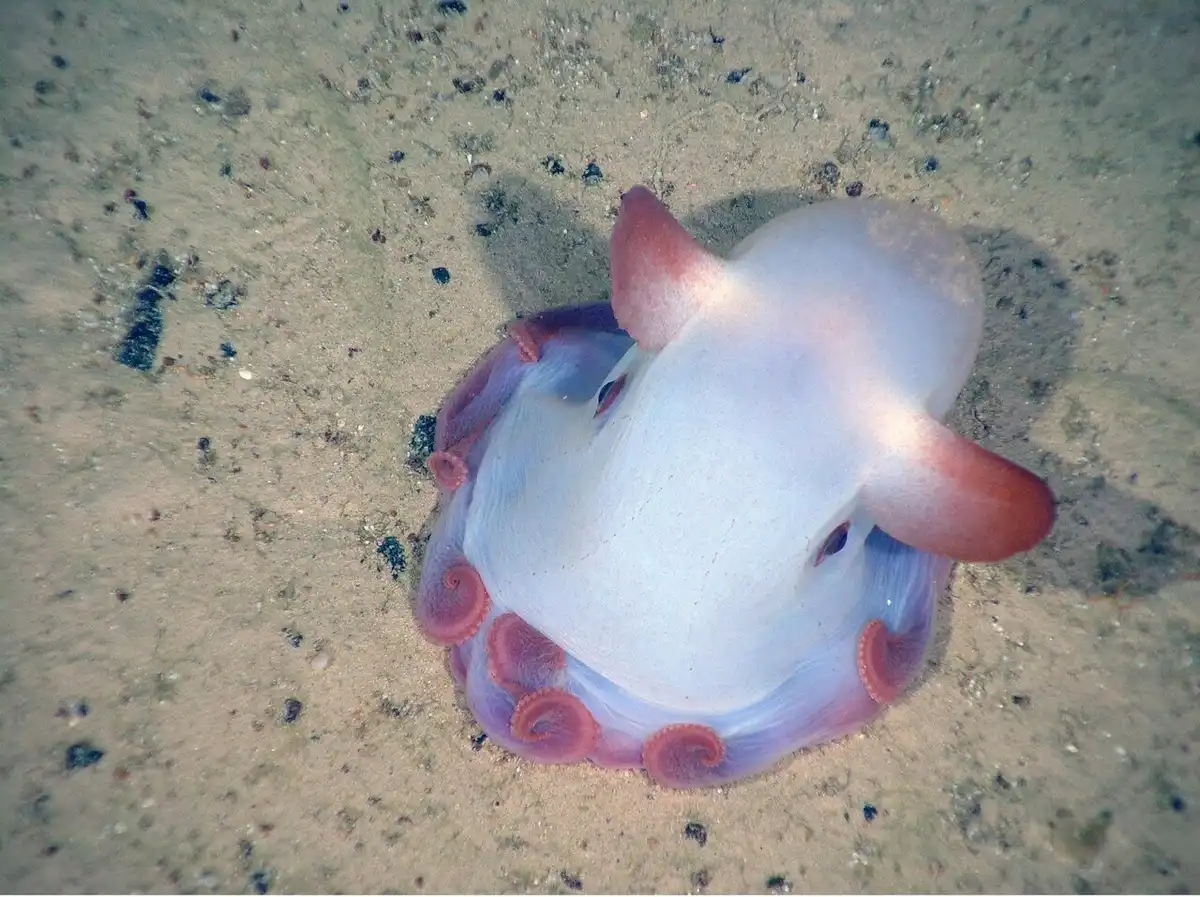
[707,524]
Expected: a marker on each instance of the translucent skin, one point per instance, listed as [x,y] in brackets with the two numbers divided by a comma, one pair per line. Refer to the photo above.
[825,696]
[663,533]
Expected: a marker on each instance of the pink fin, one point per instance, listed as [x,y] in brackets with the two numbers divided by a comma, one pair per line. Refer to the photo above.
[660,274]
[947,495]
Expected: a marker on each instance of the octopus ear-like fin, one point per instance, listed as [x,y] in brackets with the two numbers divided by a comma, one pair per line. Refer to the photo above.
[944,494]
[660,275]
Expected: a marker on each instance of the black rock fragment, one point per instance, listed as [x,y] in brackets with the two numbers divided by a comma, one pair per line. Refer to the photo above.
[572,881]
[467,85]
[83,754]
[420,446]
[393,553]
[291,710]
[778,884]
[140,345]
[827,176]
[224,294]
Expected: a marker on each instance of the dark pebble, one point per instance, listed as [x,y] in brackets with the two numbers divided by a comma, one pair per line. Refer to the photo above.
[777,884]
[420,445]
[696,832]
[223,295]
[393,553]
[467,85]
[499,96]
[477,741]
[82,755]
[592,174]
[554,164]
[160,276]
[854,188]
[79,709]
[870,812]
[44,86]
[878,129]
[736,76]
[141,210]
[827,175]
[291,710]
[441,275]
[140,345]
[260,881]
[717,39]
[452,7]
[228,351]
[207,95]
[485,229]
[930,163]
[58,62]
[1178,804]
[293,637]
[571,881]
[396,156]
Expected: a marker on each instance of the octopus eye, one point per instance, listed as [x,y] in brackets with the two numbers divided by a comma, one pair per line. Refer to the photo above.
[834,542]
[608,394]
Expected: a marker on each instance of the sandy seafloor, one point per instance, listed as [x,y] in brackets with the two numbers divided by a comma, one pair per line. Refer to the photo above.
[186,549]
